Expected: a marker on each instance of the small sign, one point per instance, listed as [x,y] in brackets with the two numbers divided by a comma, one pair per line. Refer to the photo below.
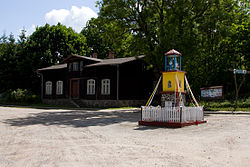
[238,71]
[215,92]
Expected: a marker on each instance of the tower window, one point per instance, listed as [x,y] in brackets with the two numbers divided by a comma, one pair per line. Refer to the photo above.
[169,84]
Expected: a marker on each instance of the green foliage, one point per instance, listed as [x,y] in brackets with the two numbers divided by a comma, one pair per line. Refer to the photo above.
[48,45]
[20,96]
[213,37]
[8,61]
[209,34]
[224,105]
[51,44]
[104,35]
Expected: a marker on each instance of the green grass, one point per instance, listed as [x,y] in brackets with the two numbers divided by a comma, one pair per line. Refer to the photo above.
[227,109]
[226,105]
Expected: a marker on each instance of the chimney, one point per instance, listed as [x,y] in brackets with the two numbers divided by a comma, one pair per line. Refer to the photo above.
[111,55]
[94,55]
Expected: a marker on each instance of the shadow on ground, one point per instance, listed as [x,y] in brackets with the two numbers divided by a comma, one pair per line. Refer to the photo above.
[75,118]
[48,107]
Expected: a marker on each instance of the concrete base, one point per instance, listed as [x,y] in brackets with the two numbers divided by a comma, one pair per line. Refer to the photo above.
[169,124]
[110,103]
[171,98]
[61,102]
[96,103]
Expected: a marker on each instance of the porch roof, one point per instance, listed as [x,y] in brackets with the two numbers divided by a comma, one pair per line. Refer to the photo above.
[81,57]
[115,61]
[54,67]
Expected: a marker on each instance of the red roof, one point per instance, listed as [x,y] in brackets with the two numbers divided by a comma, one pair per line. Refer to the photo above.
[173,52]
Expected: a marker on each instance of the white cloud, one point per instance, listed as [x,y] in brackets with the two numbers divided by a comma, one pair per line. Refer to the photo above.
[31,29]
[28,31]
[75,17]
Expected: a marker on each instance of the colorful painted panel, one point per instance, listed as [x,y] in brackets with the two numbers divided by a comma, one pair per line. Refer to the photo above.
[212,92]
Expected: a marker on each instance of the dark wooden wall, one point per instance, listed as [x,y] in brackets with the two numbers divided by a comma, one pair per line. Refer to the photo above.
[54,76]
[135,81]
[98,74]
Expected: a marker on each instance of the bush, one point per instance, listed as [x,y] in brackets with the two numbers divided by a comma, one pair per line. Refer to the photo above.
[20,96]
[242,103]
[245,103]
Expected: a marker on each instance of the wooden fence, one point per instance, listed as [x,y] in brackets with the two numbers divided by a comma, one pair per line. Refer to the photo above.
[172,114]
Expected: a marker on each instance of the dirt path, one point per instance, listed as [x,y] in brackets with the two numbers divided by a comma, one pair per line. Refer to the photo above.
[39,137]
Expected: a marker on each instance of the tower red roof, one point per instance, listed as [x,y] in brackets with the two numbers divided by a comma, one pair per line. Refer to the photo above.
[172,52]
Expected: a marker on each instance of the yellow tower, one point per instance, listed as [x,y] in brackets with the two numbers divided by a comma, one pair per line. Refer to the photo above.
[173,93]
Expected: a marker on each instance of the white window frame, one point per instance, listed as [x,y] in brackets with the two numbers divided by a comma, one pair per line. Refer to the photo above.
[90,87]
[105,87]
[59,87]
[75,66]
[48,88]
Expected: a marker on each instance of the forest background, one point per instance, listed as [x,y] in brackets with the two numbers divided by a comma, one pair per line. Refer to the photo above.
[212,35]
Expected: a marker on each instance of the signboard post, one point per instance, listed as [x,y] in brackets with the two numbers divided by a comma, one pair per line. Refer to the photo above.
[237,89]
[238,71]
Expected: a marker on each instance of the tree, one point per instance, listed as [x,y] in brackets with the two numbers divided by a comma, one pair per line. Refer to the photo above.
[50,44]
[238,53]
[8,61]
[104,35]
[47,46]
[157,26]
[196,28]
[95,42]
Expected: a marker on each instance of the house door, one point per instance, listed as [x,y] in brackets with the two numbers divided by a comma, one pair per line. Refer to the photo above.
[74,92]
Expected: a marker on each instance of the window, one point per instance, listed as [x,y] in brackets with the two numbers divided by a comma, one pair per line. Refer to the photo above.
[105,86]
[59,87]
[75,66]
[48,88]
[70,66]
[90,87]
[81,65]
[169,84]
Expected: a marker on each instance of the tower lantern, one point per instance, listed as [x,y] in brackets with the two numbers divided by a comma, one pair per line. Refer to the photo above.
[172,60]
[173,93]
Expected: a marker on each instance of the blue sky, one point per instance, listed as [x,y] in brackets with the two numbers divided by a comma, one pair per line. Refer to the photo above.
[18,14]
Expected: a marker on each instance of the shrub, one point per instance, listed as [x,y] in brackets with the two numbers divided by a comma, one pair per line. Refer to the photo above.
[242,103]
[20,96]
[245,103]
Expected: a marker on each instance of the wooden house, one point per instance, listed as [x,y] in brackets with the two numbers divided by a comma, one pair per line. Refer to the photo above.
[92,82]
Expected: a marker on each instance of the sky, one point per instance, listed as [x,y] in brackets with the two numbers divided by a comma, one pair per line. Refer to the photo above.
[16,15]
